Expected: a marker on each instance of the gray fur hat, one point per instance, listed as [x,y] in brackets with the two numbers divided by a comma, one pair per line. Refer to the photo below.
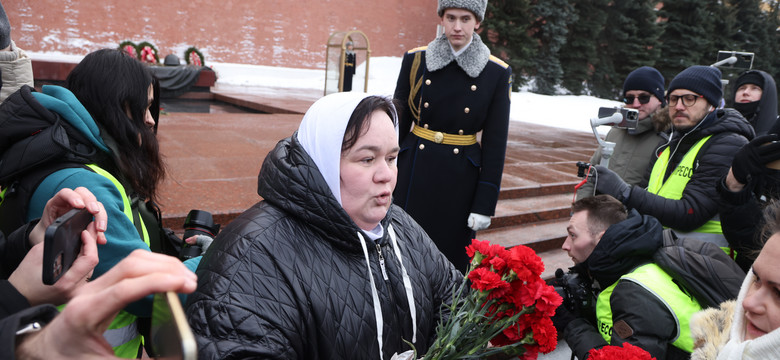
[475,6]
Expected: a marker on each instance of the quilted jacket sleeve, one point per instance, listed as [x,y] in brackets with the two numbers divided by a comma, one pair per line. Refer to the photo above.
[244,307]
[699,202]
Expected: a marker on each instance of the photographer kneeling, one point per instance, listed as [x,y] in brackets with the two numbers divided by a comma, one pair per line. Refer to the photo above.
[636,301]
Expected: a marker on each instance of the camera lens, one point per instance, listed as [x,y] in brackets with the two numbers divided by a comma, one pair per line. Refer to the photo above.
[200,222]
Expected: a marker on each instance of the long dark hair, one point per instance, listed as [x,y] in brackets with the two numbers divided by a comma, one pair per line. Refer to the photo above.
[358,121]
[110,85]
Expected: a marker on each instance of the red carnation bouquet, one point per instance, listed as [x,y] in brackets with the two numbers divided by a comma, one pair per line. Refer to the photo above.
[612,352]
[506,311]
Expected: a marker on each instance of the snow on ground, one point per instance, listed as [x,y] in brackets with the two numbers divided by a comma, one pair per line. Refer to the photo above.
[564,111]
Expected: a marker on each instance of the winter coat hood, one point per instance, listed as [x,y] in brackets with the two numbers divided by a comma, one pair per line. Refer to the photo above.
[624,246]
[27,111]
[290,180]
[764,111]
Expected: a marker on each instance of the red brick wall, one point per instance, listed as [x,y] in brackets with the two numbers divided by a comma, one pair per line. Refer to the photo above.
[261,32]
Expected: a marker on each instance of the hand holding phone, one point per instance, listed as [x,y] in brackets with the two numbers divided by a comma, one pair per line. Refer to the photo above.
[62,243]
[171,336]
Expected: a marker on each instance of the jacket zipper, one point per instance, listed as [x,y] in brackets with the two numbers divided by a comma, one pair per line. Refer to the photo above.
[382,262]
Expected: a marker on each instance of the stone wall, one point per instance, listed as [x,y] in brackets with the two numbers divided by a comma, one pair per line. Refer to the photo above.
[283,33]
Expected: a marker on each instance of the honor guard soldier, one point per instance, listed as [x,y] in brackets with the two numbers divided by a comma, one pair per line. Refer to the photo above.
[449,91]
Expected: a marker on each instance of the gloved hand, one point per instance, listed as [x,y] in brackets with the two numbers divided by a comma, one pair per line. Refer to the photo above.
[750,161]
[203,241]
[478,222]
[561,319]
[607,182]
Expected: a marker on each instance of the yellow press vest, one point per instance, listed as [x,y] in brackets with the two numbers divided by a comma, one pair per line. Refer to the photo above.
[657,282]
[122,334]
[674,186]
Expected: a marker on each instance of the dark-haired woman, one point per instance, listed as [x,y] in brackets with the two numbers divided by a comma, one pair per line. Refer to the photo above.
[325,267]
[106,102]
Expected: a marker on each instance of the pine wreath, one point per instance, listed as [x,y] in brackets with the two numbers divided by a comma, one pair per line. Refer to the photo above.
[129,48]
[148,53]
[193,56]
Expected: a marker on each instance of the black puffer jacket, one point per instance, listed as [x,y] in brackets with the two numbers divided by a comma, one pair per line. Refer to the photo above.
[289,279]
[699,202]
[624,247]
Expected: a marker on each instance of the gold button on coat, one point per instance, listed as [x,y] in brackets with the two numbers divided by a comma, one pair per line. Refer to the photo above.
[425,126]
[438,137]
[427,81]
[426,104]
[473,87]
[460,132]
[422,146]
[455,151]
[466,110]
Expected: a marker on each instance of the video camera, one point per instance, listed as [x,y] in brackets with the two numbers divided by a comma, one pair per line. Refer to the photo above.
[576,292]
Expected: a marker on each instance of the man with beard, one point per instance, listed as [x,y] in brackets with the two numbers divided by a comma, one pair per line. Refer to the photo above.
[681,191]
[643,90]
[637,302]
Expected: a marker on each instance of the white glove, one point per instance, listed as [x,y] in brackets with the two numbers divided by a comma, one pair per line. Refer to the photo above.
[478,222]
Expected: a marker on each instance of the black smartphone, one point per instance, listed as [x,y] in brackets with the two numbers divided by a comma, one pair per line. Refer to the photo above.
[744,59]
[171,336]
[62,243]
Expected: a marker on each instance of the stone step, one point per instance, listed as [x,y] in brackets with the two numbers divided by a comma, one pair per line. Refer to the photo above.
[528,210]
[540,236]
[538,190]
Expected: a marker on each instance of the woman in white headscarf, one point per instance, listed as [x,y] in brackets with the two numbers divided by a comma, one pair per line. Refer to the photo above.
[750,327]
[325,267]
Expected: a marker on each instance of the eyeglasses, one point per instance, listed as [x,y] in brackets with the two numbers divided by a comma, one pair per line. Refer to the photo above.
[688,100]
[643,99]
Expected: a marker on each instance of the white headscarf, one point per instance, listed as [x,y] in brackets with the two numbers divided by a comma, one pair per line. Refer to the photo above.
[322,132]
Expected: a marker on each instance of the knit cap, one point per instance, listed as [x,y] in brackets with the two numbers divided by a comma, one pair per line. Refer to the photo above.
[703,80]
[475,6]
[749,77]
[647,79]
[5,29]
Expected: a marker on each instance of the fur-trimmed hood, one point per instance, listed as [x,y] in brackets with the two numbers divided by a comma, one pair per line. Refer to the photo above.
[710,330]
[472,60]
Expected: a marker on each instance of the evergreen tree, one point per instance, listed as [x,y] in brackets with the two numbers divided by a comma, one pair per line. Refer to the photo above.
[505,31]
[686,38]
[629,40]
[773,42]
[552,18]
[578,56]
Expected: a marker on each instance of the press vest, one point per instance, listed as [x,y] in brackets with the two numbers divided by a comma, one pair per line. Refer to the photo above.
[122,334]
[657,282]
[674,186]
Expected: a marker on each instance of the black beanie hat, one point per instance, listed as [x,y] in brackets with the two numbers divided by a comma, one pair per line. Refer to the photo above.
[749,77]
[703,80]
[5,29]
[648,79]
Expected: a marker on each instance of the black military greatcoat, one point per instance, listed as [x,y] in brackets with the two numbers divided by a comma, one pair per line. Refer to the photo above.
[440,184]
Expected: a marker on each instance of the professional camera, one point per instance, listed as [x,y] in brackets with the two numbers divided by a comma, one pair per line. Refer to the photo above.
[576,292]
[198,222]
[630,116]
